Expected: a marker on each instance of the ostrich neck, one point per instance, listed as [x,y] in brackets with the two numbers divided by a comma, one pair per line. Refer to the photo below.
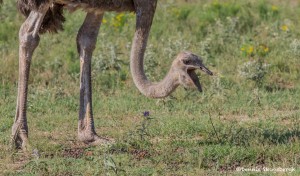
[154,90]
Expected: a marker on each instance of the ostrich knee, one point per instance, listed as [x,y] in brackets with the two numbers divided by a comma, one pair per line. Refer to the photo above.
[87,35]
[86,43]
[29,40]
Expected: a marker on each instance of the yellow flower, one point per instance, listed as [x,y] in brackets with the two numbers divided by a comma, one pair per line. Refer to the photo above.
[263,50]
[243,49]
[118,20]
[266,49]
[119,17]
[250,50]
[274,8]
[104,21]
[284,28]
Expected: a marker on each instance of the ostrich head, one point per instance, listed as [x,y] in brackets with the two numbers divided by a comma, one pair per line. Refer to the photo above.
[185,65]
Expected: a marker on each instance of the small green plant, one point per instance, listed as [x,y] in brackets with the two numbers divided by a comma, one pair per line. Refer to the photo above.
[140,136]
[110,68]
[255,69]
[110,164]
[143,130]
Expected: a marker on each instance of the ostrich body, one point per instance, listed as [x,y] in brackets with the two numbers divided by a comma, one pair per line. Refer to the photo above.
[46,15]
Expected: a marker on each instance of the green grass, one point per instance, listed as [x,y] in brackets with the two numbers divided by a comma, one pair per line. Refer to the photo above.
[233,123]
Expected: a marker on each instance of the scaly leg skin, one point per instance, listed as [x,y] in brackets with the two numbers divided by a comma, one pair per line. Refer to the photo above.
[86,41]
[29,40]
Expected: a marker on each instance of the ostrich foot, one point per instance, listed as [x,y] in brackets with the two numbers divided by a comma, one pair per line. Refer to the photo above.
[94,139]
[102,141]
[19,138]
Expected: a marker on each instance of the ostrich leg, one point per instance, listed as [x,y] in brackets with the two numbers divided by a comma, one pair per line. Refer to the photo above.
[86,41]
[29,40]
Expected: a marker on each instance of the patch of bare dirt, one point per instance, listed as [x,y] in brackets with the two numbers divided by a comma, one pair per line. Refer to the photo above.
[140,154]
[229,167]
[73,152]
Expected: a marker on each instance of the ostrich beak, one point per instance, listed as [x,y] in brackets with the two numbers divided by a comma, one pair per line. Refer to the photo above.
[205,70]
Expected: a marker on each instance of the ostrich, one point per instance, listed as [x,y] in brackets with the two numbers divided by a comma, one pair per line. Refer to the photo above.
[47,16]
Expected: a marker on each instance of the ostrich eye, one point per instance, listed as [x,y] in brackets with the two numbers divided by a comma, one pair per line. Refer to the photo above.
[186,62]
